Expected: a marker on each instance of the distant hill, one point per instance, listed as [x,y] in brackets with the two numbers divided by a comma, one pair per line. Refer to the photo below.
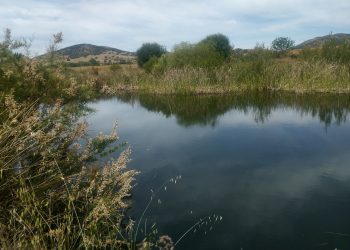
[81,54]
[81,50]
[318,41]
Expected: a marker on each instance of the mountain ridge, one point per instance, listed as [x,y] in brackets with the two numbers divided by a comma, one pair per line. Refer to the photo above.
[86,49]
[318,41]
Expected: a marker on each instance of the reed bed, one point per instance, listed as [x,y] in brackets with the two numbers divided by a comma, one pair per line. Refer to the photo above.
[293,76]
[53,193]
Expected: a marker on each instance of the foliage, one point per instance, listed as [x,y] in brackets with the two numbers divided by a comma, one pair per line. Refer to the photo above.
[114,67]
[331,51]
[46,79]
[150,64]
[243,74]
[147,51]
[202,55]
[282,44]
[220,43]
[52,193]
[208,53]
[94,62]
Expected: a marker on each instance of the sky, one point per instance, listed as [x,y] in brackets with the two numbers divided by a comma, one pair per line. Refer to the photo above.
[126,24]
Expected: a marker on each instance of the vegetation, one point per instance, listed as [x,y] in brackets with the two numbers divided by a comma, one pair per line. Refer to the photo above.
[53,193]
[319,41]
[282,44]
[54,190]
[189,69]
[199,68]
[208,53]
[149,51]
[220,43]
[331,51]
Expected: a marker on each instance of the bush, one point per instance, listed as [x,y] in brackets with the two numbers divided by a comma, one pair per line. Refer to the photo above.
[209,53]
[52,192]
[282,44]
[201,55]
[330,51]
[259,53]
[147,51]
[220,42]
[150,64]
[94,62]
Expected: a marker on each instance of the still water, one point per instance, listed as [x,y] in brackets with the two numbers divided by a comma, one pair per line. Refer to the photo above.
[272,171]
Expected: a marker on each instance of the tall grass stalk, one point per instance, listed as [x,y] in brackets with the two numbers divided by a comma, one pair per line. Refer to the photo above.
[52,192]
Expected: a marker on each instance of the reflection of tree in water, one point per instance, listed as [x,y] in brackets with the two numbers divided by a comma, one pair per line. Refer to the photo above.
[205,110]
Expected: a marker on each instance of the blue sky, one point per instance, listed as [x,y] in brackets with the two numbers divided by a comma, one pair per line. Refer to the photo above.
[126,24]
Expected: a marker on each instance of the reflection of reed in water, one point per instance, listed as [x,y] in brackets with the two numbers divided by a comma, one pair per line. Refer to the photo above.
[206,109]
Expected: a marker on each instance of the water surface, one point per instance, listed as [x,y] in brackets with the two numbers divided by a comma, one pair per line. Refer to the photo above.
[274,167]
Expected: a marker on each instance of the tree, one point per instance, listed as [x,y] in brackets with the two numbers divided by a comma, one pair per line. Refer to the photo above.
[201,55]
[220,42]
[94,62]
[282,44]
[147,51]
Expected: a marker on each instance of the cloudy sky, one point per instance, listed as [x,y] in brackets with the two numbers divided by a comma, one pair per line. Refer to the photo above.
[126,24]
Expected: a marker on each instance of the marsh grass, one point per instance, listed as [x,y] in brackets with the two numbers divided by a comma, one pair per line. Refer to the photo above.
[192,69]
[54,190]
[234,76]
[318,70]
[295,76]
[53,195]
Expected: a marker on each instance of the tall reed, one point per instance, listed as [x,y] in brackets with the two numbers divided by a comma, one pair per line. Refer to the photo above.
[52,192]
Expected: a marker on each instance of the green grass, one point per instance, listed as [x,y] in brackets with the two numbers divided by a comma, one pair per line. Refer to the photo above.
[275,75]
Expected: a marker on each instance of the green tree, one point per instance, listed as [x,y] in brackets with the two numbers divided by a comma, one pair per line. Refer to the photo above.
[147,51]
[94,62]
[220,43]
[282,44]
[201,55]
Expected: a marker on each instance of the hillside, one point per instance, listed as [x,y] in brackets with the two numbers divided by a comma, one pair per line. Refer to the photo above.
[81,50]
[318,41]
[81,54]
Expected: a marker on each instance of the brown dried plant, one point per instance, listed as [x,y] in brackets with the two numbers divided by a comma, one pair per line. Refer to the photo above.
[52,193]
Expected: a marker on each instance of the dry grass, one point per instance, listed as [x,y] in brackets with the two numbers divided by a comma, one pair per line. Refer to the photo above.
[105,68]
[52,193]
[284,74]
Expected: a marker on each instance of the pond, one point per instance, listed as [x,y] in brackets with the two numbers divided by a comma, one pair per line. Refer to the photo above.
[256,170]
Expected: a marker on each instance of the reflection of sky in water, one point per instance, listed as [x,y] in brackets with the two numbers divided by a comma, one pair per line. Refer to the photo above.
[279,184]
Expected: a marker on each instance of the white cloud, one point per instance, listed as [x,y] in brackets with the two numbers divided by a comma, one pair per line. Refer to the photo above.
[127,24]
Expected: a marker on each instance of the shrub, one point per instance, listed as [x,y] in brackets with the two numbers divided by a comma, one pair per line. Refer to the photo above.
[150,64]
[201,55]
[147,51]
[220,42]
[93,62]
[282,44]
[331,51]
